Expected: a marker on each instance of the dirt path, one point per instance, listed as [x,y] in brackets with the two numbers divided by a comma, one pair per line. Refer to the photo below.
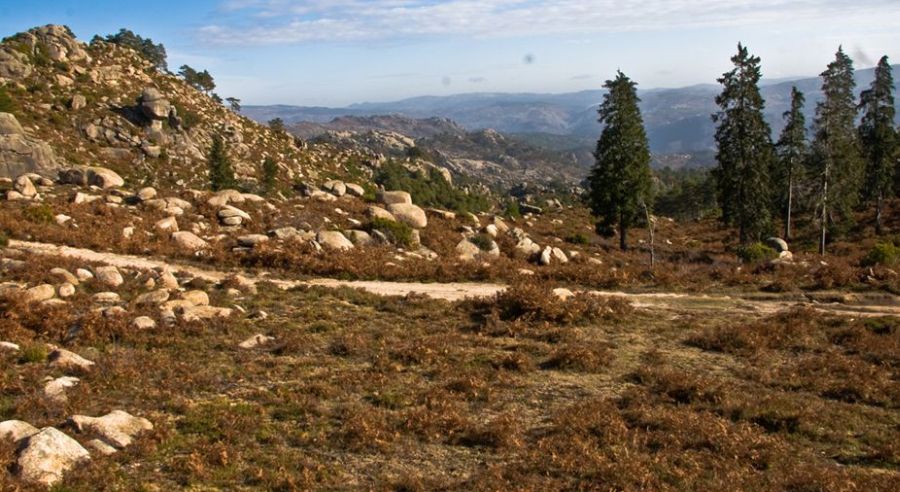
[875,304]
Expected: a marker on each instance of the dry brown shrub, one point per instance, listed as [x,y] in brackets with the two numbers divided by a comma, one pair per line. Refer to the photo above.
[678,386]
[502,432]
[797,329]
[579,357]
[365,428]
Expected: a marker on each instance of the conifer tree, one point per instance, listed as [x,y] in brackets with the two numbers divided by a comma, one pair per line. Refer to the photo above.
[836,167]
[878,138]
[745,152]
[221,174]
[269,174]
[792,150]
[620,182]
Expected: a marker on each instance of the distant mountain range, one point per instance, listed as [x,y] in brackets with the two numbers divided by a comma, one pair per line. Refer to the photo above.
[677,120]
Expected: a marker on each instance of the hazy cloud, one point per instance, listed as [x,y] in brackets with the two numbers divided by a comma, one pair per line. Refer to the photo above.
[583,76]
[477,80]
[256,22]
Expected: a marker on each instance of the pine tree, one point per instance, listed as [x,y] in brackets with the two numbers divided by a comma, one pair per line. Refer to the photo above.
[878,138]
[269,174]
[835,164]
[620,182]
[745,151]
[221,174]
[792,150]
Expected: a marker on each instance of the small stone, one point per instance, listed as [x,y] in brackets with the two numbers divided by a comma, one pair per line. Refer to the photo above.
[152,298]
[143,323]
[69,361]
[66,290]
[256,341]
[40,293]
[16,430]
[116,428]
[9,347]
[196,298]
[109,276]
[65,275]
[106,298]
[83,274]
[55,389]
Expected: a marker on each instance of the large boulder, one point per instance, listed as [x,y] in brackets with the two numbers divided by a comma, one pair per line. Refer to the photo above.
[116,428]
[47,455]
[154,105]
[189,241]
[778,244]
[13,65]
[393,197]
[409,214]
[21,154]
[91,176]
[334,240]
[16,430]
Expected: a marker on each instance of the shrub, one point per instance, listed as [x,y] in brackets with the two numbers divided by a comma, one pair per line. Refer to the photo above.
[578,238]
[512,209]
[398,232]
[34,353]
[430,189]
[885,253]
[756,252]
[189,119]
[483,241]
[39,214]
[7,105]
[4,240]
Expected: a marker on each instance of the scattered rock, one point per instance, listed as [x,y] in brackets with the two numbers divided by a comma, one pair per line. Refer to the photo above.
[256,341]
[40,293]
[23,185]
[143,323]
[66,290]
[47,455]
[409,214]
[55,389]
[333,240]
[116,428]
[69,361]
[200,313]
[109,276]
[394,197]
[152,298]
[778,244]
[16,430]
[189,241]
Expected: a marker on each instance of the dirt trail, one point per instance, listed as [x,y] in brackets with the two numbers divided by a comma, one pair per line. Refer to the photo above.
[860,305]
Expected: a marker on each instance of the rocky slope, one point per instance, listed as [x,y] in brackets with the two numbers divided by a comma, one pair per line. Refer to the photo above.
[104,105]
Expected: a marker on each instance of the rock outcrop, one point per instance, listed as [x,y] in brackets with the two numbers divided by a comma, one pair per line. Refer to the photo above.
[20,153]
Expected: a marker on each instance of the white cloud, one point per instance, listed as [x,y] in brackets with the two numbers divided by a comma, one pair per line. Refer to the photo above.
[262,22]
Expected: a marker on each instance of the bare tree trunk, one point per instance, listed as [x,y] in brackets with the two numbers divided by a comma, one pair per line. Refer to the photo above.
[878,205]
[787,217]
[824,217]
[652,235]
[623,231]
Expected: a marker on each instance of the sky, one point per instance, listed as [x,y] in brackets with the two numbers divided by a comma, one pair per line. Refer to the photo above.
[339,52]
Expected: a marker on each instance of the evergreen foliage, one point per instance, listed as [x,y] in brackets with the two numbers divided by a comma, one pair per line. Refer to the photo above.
[685,194]
[269,174]
[202,81]
[7,105]
[620,181]
[429,188]
[234,103]
[878,138]
[836,167]
[792,149]
[221,174]
[745,151]
[155,53]
[277,125]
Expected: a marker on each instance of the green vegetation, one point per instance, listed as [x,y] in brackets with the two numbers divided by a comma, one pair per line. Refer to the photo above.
[745,152]
[398,232]
[885,253]
[483,241]
[835,165]
[7,104]
[4,239]
[189,119]
[221,174]
[879,139]
[277,125]
[512,209]
[39,214]
[269,175]
[792,152]
[756,252]
[155,53]
[34,353]
[578,238]
[430,188]
[202,81]
[686,194]
[621,181]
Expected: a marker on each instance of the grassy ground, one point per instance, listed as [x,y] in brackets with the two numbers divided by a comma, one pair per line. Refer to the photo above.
[521,392]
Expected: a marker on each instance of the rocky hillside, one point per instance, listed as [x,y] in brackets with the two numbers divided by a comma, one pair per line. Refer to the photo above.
[69,103]
[488,156]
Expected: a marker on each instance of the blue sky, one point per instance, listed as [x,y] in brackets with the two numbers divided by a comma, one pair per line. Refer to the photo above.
[337,52]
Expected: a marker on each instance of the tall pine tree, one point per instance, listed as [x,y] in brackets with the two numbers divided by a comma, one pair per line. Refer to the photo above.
[620,182]
[792,150]
[878,138]
[836,167]
[745,151]
[221,174]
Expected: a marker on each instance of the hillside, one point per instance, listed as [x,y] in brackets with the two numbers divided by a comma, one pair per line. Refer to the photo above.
[485,155]
[103,104]
[677,120]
